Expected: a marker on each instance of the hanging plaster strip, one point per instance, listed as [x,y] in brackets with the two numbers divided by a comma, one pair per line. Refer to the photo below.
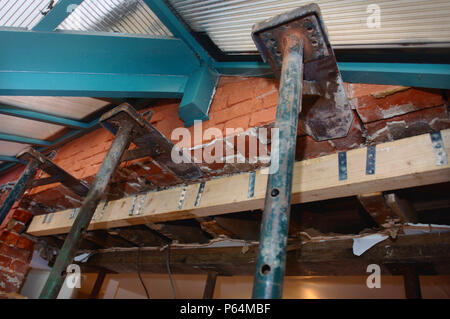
[439,151]
[182,196]
[199,194]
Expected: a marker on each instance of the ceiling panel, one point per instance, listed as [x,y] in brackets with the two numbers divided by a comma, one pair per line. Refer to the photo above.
[10,148]
[229,23]
[23,13]
[75,108]
[122,16]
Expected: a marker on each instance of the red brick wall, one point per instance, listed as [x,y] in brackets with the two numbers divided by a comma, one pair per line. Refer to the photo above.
[382,113]
[15,251]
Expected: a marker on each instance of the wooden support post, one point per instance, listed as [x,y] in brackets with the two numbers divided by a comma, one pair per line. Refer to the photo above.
[401,208]
[375,204]
[208,293]
[98,284]
[412,283]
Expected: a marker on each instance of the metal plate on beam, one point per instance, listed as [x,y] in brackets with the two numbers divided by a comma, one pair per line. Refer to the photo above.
[146,136]
[330,116]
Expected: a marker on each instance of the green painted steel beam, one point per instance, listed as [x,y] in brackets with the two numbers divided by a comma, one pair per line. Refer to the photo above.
[23,140]
[406,74]
[102,65]
[12,159]
[198,95]
[57,15]
[178,28]
[41,117]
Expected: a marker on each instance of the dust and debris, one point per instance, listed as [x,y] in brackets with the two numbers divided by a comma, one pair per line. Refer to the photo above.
[396,110]
[380,95]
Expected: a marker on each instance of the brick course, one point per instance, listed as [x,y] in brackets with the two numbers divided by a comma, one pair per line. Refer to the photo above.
[15,251]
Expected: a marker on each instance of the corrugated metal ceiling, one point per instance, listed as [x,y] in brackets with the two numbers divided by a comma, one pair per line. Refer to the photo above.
[23,13]
[123,16]
[229,23]
[76,108]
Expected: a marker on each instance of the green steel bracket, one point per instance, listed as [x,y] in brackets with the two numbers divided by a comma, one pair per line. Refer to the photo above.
[57,15]
[198,95]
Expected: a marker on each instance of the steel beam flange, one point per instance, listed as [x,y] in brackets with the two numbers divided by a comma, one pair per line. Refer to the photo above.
[329,116]
[146,136]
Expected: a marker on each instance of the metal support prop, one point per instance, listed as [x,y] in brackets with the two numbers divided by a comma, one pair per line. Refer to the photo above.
[297,48]
[271,261]
[73,240]
[21,185]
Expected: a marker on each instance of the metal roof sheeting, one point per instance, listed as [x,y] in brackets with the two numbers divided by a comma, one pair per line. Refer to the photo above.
[76,108]
[229,23]
[122,16]
[23,13]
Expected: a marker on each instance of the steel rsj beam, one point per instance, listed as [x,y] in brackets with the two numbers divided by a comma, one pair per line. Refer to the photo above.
[128,126]
[296,46]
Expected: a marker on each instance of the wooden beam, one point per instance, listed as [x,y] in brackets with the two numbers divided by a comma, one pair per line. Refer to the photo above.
[400,164]
[98,284]
[412,283]
[402,208]
[428,252]
[375,204]
[208,293]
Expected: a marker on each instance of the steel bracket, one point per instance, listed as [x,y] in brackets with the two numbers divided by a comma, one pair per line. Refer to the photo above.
[150,141]
[329,116]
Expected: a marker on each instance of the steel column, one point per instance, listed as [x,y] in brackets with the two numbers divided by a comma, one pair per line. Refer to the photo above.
[271,260]
[81,224]
[18,190]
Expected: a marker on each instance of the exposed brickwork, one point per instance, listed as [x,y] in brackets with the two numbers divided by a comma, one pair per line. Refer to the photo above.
[382,113]
[394,101]
[410,124]
[15,251]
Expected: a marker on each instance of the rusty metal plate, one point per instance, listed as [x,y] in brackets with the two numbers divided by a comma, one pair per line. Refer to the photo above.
[330,116]
[57,173]
[146,136]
